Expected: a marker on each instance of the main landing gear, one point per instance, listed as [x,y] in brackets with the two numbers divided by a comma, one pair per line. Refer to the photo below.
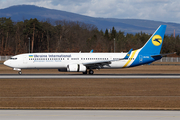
[91,72]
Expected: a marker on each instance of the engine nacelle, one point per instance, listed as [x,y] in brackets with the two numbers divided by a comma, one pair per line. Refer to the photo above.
[82,68]
[76,68]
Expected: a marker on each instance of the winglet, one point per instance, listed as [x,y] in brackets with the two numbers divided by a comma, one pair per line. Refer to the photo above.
[91,51]
[128,54]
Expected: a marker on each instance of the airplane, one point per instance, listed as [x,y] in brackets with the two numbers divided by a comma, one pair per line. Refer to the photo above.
[87,62]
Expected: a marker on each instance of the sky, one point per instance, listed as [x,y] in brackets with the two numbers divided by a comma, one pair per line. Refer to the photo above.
[158,10]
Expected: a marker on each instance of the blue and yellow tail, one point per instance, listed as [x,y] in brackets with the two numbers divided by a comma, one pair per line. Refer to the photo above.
[150,52]
[154,44]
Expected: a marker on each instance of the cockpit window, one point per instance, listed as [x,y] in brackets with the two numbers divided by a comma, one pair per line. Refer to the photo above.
[13,58]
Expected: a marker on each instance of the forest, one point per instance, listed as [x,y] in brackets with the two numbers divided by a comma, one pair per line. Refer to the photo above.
[69,36]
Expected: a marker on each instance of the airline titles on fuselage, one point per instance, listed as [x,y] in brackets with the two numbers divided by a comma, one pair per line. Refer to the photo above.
[31,56]
[43,58]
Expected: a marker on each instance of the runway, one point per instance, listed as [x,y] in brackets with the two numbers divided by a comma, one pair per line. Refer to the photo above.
[95,76]
[87,115]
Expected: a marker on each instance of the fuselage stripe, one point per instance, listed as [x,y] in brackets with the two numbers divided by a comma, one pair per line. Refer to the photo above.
[130,59]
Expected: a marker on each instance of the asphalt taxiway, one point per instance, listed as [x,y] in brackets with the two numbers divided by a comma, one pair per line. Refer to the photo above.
[95,76]
[88,115]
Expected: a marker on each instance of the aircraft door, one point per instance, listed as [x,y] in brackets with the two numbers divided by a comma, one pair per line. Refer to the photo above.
[25,59]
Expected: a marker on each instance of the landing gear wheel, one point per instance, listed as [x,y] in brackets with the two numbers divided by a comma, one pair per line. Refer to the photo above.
[91,72]
[85,72]
[19,72]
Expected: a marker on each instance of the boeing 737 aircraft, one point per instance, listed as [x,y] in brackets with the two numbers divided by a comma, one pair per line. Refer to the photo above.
[86,62]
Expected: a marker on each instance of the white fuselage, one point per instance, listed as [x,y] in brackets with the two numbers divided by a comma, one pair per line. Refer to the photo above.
[61,60]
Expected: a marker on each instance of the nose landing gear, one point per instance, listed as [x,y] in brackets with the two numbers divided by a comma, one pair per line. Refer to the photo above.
[19,70]
[20,73]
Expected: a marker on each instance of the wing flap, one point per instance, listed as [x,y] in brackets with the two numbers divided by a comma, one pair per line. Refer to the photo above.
[97,65]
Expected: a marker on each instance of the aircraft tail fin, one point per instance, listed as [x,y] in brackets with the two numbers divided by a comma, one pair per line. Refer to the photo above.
[154,44]
[150,52]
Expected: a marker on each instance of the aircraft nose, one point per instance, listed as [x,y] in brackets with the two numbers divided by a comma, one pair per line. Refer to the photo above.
[7,63]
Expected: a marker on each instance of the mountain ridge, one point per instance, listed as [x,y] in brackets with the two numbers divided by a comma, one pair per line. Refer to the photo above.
[20,12]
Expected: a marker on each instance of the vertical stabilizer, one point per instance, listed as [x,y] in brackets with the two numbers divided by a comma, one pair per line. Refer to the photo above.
[154,44]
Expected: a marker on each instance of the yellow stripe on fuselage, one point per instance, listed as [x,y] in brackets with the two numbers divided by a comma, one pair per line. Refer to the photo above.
[132,56]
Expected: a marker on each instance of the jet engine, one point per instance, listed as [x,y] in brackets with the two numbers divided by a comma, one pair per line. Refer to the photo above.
[76,68]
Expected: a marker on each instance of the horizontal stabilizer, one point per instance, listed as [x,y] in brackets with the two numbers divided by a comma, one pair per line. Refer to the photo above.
[161,55]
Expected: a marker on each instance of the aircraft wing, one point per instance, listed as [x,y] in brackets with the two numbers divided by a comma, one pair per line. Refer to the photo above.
[97,65]
[100,64]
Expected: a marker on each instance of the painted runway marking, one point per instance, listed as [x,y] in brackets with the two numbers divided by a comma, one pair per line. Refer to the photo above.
[89,114]
[95,76]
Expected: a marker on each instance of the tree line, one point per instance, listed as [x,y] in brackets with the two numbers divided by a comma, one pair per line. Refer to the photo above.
[69,36]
